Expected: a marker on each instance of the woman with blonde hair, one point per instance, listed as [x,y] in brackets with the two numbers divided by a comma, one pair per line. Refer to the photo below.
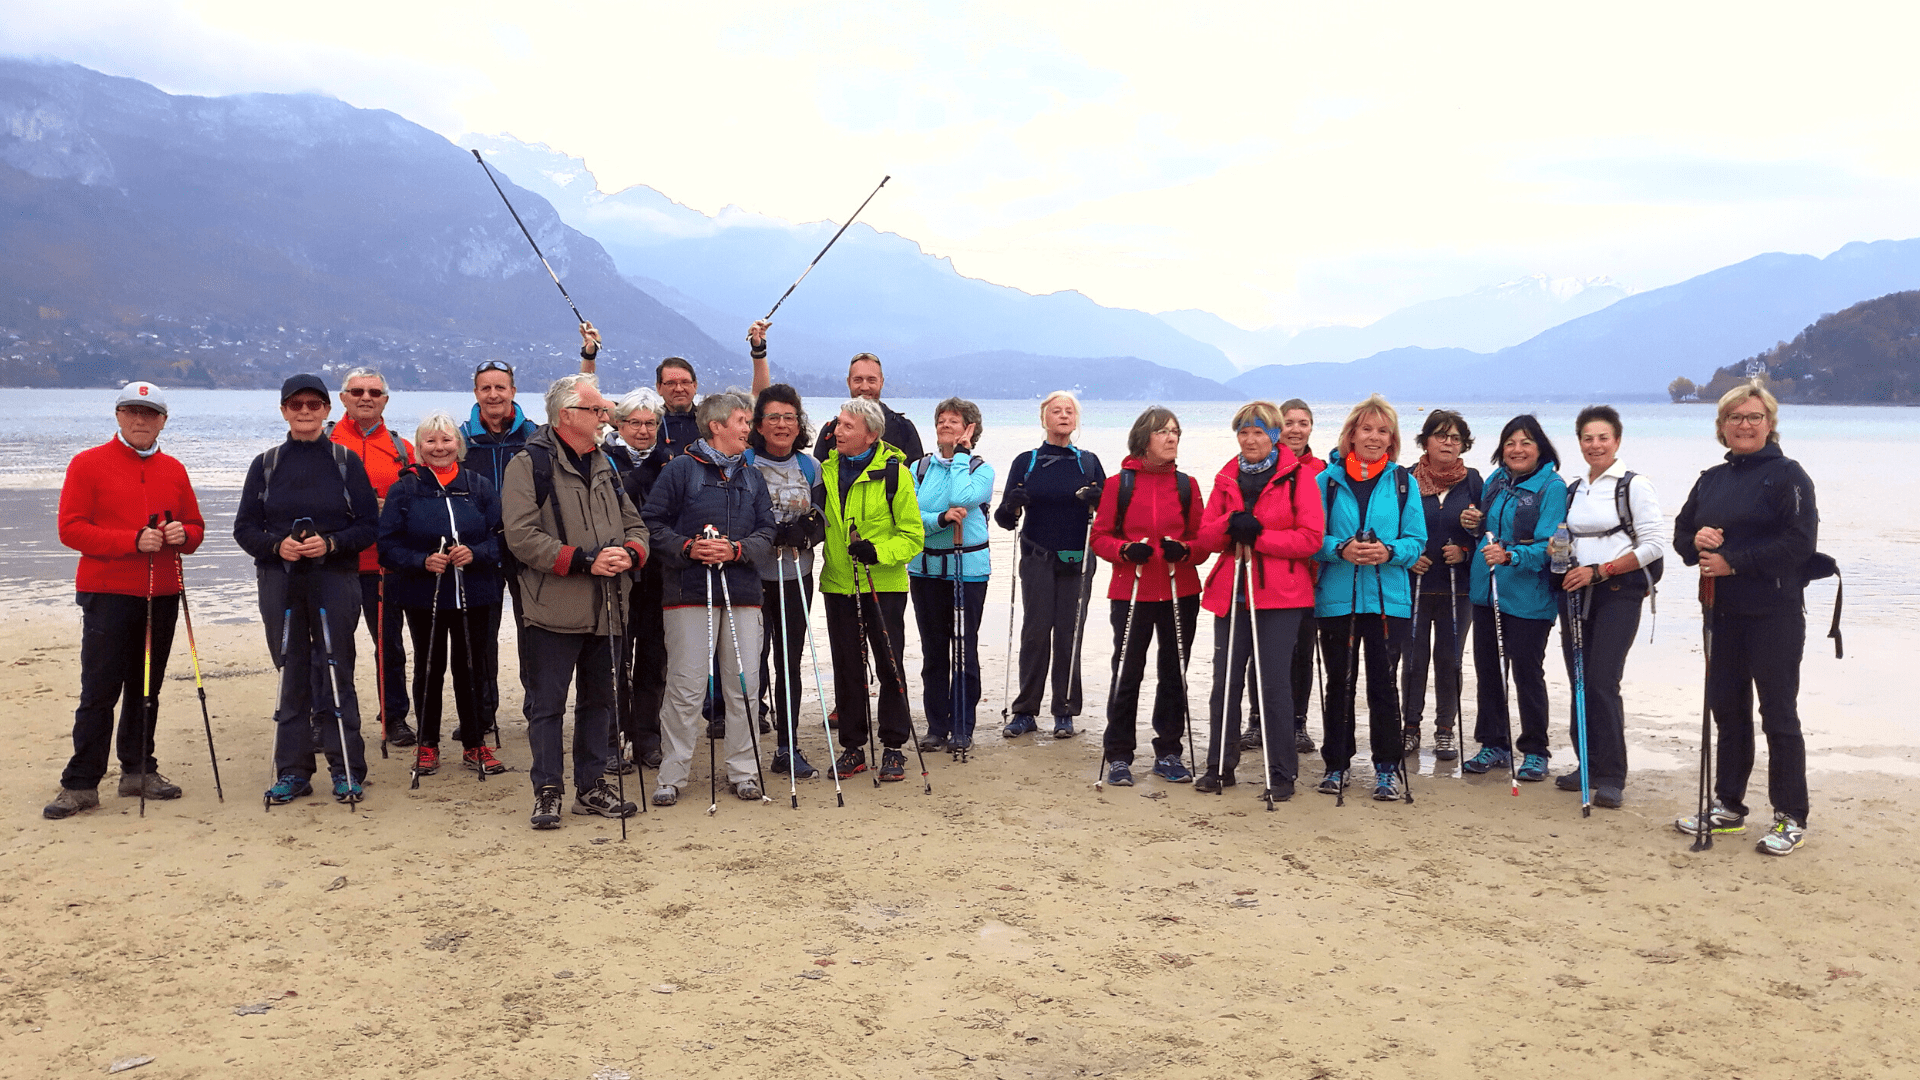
[1051,494]
[1374,533]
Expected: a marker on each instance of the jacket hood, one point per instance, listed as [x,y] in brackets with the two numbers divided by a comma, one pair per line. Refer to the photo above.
[1139,464]
[475,426]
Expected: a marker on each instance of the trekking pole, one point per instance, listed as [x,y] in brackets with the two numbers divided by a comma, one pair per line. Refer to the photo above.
[1500,646]
[1459,670]
[193,650]
[1217,734]
[286,640]
[957,685]
[819,689]
[899,677]
[607,585]
[1352,689]
[1703,821]
[713,684]
[423,665]
[1013,601]
[1406,780]
[147,695]
[1119,665]
[1260,677]
[466,641]
[816,258]
[786,680]
[339,715]
[1574,616]
[866,669]
[1180,654]
[1082,599]
[530,243]
[380,659]
[740,666]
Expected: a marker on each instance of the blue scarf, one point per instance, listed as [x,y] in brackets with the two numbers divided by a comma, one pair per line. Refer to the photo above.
[726,462]
[861,459]
[1268,462]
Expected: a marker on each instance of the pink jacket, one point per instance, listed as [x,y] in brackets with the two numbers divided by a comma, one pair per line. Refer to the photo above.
[1281,563]
[1153,513]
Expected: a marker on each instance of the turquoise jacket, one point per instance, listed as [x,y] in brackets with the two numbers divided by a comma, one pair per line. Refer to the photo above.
[941,485]
[1383,589]
[1526,590]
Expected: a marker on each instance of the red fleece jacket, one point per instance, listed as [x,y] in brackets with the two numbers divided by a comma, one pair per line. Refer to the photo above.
[1153,513]
[109,494]
[383,468]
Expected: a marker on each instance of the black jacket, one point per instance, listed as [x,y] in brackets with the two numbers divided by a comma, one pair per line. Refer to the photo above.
[1763,503]
[307,483]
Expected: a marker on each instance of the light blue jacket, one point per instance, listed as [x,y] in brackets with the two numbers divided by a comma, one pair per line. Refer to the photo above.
[1526,590]
[941,485]
[1383,589]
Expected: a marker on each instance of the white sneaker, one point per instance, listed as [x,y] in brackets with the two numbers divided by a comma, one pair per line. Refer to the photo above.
[1786,835]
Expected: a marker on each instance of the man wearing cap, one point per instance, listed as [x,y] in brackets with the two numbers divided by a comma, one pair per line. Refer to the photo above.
[364,397]
[130,512]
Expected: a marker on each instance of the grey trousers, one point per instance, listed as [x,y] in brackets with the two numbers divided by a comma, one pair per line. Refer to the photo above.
[1052,604]
[690,663]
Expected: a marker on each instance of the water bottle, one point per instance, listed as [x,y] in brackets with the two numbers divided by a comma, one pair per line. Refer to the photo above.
[1560,549]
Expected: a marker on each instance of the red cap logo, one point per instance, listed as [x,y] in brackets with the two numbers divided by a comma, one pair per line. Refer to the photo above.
[143,390]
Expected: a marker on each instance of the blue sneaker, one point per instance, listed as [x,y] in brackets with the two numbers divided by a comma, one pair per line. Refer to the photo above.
[1119,774]
[288,788]
[1063,727]
[1533,768]
[345,790]
[1333,782]
[1489,757]
[1021,725]
[1172,770]
[802,769]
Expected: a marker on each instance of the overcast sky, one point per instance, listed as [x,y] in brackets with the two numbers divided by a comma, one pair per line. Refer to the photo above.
[1272,162]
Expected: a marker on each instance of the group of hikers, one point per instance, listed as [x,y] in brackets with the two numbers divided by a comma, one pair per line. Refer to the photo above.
[660,553]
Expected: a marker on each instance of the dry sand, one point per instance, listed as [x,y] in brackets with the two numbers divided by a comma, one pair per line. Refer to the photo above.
[1014,923]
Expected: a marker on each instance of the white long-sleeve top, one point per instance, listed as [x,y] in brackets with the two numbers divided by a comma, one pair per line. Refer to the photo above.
[1591,512]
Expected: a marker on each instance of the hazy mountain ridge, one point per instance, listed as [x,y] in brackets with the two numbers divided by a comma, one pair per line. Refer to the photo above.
[1869,353]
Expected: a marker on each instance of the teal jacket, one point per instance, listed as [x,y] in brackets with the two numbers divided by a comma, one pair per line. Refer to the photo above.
[940,486]
[1526,590]
[1383,589]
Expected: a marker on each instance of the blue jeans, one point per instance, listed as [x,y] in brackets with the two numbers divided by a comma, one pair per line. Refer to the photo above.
[553,662]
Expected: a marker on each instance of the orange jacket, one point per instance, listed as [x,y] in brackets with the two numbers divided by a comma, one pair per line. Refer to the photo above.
[383,467]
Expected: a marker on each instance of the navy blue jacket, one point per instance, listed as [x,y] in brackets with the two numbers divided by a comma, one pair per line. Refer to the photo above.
[1763,503]
[692,493]
[415,521]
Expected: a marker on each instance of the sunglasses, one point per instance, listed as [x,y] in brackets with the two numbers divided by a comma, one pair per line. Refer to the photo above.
[301,405]
[493,365]
[365,391]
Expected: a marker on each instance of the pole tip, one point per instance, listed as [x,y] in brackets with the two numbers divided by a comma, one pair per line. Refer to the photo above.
[476,157]
[884,179]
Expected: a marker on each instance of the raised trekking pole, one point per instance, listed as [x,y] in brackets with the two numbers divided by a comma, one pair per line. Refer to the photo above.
[607,585]
[740,666]
[466,640]
[1703,819]
[1120,663]
[816,258]
[423,665]
[1500,646]
[820,692]
[193,650]
[1180,654]
[785,679]
[529,236]
[1575,616]
[146,678]
[1259,676]
[893,670]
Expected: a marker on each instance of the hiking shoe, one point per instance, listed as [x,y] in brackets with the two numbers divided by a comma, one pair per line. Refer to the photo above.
[288,788]
[1444,748]
[1533,768]
[933,742]
[1410,741]
[717,729]
[1568,781]
[1333,782]
[1251,740]
[1607,796]
[1278,791]
[1063,727]
[481,759]
[426,760]
[158,787]
[1021,725]
[1208,783]
[1172,770]
[600,799]
[765,728]
[1386,783]
[651,757]
[666,795]
[620,765]
[746,791]
[1785,835]
[1721,820]
[546,808]
[852,760]
[1489,757]
[801,769]
[347,791]
[893,764]
[1119,774]
[1303,742]
[70,801]
[399,734]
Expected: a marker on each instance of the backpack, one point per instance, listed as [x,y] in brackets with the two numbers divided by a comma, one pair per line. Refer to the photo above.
[962,548]
[920,473]
[271,460]
[1820,566]
[399,448]
[1399,487]
[1622,509]
[541,459]
[1181,482]
[809,467]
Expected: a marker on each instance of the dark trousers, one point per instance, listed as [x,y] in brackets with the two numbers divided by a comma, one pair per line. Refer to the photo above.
[1526,645]
[553,662]
[644,656]
[1052,602]
[1276,632]
[1151,619]
[1378,640]
[292,604]
[453,633]
[392,666]
[1434,624]
[1612,617]
[785,644]
[1759,654]
[1304,641]
[886,631]
[933,612]
[486,649]
[113,669]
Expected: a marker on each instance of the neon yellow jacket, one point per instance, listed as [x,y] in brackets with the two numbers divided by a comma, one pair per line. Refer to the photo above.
[895,529]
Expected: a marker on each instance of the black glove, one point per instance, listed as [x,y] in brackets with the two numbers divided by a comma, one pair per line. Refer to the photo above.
[1174,550]
[863,552]
[1089,496]
[1244,528]
[1137,552]
[1007,517]
[1016,498]
[810,528]
[783,534]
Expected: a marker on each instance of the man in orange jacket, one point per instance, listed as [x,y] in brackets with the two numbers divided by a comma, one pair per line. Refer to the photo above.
[364,431]
[130,512]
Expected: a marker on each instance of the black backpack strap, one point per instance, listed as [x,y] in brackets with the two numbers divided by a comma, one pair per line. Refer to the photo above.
[268,462]
[1184,485]
[1623,506]
[541,459]
[1121,502]
[1839,593]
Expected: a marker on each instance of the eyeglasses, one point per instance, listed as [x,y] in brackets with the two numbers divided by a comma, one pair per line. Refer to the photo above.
[600,411]
[494,365]
[1747,419]
[365,391]
[304,405]
[634,421]
[780,418]
[1451,436]
[679,384]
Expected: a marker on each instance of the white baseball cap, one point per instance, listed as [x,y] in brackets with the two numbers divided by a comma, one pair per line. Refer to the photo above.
[142,393]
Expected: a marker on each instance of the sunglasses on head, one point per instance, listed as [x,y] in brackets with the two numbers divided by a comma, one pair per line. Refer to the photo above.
[493,365]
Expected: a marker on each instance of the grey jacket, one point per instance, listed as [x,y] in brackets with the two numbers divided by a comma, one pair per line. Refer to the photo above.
[556,542]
